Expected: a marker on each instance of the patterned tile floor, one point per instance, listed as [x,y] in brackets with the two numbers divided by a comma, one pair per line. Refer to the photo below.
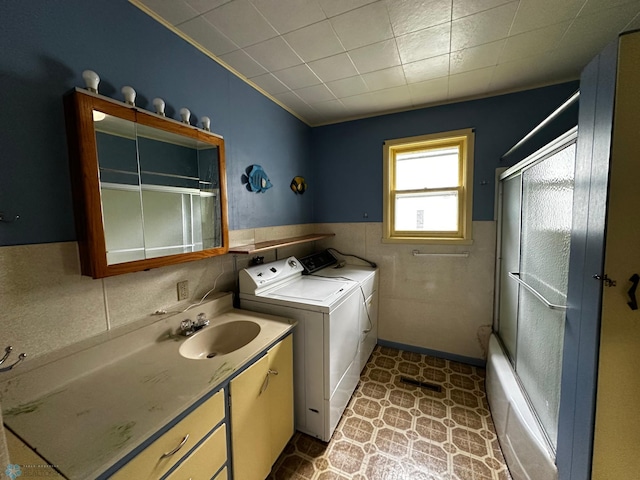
[392,430]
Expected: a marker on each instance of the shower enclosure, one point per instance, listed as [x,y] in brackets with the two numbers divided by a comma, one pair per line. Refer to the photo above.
[535,207]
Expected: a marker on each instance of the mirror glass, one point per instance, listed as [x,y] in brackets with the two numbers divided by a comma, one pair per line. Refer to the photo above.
[160,192]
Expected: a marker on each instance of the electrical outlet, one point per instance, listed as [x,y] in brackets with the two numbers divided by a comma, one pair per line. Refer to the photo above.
[183,290]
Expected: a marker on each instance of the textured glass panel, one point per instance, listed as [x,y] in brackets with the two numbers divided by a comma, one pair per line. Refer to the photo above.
[510,262]
[429,168]
[427,212]
[546,232]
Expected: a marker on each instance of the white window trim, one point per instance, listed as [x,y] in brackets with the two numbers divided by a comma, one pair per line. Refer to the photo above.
[466,138]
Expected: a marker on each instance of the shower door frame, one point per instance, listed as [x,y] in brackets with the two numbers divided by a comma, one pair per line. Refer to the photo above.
[555,146]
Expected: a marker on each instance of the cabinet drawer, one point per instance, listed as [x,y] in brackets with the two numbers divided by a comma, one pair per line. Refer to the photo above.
[205,460]
[150,464]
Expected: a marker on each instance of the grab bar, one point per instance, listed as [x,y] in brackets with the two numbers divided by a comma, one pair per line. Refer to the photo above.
[417,253]
[538,295]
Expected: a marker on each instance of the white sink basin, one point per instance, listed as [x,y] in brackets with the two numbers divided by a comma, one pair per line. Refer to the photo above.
[218,340]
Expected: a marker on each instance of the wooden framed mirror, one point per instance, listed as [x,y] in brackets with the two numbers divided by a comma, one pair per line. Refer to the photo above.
[148,191]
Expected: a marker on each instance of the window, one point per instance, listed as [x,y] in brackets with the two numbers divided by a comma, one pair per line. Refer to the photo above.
[427,188]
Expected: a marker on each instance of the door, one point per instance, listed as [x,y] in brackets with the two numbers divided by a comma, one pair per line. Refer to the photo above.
[617,425]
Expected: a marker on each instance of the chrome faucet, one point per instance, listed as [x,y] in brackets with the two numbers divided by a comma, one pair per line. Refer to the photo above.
[189,327]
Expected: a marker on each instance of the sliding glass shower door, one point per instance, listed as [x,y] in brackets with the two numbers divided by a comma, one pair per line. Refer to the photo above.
[537,198]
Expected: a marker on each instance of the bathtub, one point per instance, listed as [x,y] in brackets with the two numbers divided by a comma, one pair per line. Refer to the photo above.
[524,446]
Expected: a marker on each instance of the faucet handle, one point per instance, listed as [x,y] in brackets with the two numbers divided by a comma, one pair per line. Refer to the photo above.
[201,320]
[186,324]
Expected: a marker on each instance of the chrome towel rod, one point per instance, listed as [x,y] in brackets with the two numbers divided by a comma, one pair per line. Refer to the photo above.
[570,101]
[538,295]
[417,253]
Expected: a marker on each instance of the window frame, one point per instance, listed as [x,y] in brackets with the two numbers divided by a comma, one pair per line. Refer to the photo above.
[463,139]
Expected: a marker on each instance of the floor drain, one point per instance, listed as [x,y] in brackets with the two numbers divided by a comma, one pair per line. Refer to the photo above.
[429,386]
[211,355]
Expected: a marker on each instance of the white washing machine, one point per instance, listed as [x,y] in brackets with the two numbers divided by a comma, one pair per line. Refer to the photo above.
[326,339]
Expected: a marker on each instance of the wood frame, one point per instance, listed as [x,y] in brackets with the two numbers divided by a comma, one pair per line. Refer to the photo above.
[83,161]
[464,140]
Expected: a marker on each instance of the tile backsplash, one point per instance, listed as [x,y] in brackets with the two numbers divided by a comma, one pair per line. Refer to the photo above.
[440,303]
[46,304]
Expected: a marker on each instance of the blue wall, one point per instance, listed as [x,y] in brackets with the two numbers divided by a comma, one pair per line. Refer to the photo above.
[46,45]
[348,156]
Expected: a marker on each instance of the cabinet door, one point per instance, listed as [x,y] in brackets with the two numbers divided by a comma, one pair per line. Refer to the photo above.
[250,423]
[280,395]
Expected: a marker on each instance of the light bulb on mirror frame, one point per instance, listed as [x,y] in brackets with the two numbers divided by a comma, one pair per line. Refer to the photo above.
[129,95]
[159,104]
[98,116]
[206,124]
[91,80]
[185,114]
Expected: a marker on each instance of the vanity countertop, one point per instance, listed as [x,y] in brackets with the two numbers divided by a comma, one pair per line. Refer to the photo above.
[85,424]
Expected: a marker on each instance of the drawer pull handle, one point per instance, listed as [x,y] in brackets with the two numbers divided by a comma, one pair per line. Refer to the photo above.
[265,384]
[182,443]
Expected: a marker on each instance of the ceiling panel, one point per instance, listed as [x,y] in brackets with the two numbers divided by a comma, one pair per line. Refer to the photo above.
[364,26]
[315,41]
[329,60]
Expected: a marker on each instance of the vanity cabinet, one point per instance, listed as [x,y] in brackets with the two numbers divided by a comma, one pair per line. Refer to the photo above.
[165,452]
[262,412]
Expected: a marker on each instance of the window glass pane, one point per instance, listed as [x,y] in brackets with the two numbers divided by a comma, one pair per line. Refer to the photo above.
[427,168]
[427,212]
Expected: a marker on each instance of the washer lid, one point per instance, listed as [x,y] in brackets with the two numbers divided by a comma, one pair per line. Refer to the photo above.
[311,290]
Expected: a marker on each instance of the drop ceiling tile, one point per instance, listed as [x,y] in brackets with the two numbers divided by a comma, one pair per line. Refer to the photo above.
[633,24]
[203,6]
[469,84]
[395,98]
[376,56]
[364,26]
[173,11]
[297,77]
[533,42]
[208,36]
[291,100]
[330,108]
[476,57]
[387,78]
[430,42]
[534,14]
[274,54]
[315,94]
[411,15]
[336,7]
[242,63]
[315,41]
[483,27]
[270,84]
[431,91]
[359,105]
[241,22]
[348,87]
[463,8]
[593,6]
[591,33]
[288,15]
[333,68]
[427,69]
[520,74]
